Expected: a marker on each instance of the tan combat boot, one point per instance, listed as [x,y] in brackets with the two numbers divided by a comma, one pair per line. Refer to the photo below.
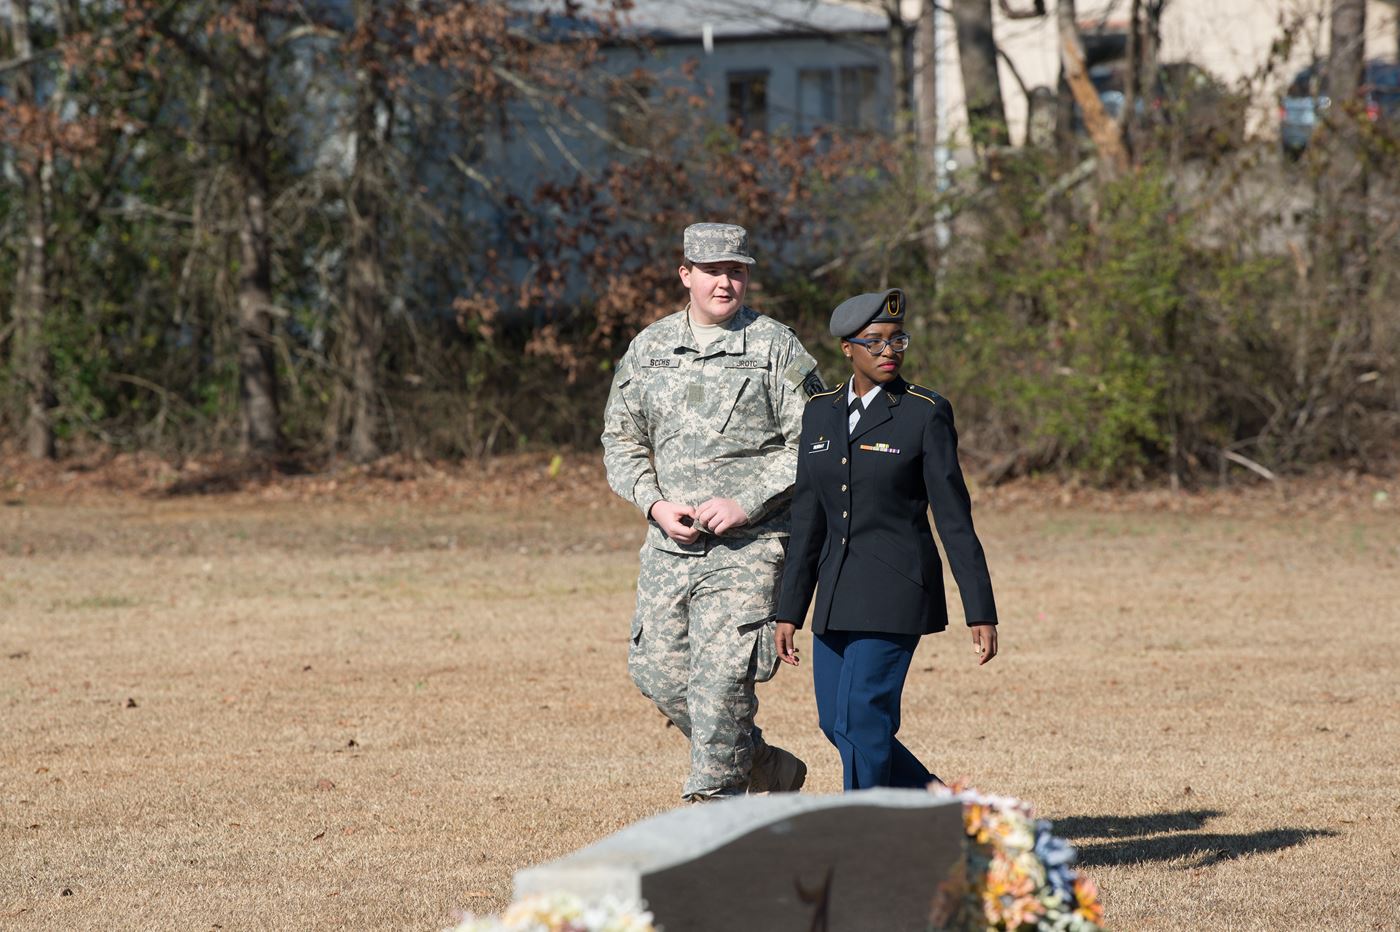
[776,771]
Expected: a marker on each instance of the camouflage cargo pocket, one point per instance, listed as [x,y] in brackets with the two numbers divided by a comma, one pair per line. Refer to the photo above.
[765,651]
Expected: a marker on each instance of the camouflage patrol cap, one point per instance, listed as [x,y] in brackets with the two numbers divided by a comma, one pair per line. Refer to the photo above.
[717,242]
[875,307]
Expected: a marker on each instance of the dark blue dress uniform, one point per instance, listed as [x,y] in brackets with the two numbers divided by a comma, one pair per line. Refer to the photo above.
[861,540]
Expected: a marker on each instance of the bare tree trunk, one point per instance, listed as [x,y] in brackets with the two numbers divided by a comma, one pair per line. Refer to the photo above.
[926,54]
[926,126]
[363,333]
[1113,158]
[1130,77]
[32,361]
[259,408]
[1345,184]
[1149,42]
[1140,76]
[257,361]
[977,56]
[35,364]
[1066,146]
[901,69]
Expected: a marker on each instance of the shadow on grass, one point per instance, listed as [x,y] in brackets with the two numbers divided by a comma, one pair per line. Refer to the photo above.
[1188,820]
[234,475]
[1186,841]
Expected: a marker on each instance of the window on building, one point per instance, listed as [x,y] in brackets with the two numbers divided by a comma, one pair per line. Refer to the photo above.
[816,99]
[844,98]
[748,101]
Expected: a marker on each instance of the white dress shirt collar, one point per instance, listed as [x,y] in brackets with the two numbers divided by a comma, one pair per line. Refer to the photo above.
[865,401]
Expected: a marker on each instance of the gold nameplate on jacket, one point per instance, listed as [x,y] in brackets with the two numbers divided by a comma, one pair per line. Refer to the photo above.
[879,448]
[820,447]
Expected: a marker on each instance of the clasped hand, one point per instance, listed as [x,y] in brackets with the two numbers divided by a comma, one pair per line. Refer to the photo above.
[684,524]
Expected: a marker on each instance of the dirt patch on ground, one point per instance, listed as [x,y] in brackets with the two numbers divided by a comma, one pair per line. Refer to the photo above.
[295,705]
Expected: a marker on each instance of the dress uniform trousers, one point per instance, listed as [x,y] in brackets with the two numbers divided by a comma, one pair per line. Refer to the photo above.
[858,677]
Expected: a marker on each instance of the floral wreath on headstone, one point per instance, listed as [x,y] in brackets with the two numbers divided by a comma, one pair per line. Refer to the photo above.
[1017,876]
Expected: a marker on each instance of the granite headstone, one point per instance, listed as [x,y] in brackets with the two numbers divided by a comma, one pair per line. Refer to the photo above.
[786,863]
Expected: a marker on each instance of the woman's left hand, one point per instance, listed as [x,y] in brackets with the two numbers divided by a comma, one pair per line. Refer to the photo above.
[783,638]
[984,642]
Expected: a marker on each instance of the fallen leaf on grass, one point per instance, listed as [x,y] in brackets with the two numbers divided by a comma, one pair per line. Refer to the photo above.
[318,836]
[324,784]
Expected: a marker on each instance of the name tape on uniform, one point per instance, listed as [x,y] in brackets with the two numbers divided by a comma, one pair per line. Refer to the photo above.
[664,362]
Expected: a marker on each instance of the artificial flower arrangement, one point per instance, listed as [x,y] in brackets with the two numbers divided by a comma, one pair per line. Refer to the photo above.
[1016,877]
[564,912]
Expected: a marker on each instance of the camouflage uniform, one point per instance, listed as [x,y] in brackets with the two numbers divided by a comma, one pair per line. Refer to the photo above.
[686,423]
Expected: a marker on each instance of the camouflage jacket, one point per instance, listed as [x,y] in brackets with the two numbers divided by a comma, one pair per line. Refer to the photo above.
[686,424]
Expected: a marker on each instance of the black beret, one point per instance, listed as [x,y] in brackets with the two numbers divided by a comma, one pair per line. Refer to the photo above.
[875,307]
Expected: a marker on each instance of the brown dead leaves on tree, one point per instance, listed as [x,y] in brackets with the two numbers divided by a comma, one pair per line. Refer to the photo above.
[615,238]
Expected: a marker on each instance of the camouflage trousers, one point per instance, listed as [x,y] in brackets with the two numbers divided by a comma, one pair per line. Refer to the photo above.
[702,635]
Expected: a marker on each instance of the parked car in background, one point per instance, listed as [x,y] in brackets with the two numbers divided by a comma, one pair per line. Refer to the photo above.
[1186,106]
[1306,101]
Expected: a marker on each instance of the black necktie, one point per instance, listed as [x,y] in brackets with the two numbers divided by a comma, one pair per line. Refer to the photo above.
[855,405]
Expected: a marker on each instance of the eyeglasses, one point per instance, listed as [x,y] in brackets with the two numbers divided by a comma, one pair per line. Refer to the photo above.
[899,343]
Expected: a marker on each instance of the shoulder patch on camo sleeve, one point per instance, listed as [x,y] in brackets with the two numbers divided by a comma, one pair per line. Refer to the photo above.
[802,373]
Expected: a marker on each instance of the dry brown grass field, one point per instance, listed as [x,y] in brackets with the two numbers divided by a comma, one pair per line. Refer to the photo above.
[315,705]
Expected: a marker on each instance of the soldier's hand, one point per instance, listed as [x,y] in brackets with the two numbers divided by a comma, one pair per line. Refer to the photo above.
[984,642]
[721,514]
[783,637]
[669,515]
